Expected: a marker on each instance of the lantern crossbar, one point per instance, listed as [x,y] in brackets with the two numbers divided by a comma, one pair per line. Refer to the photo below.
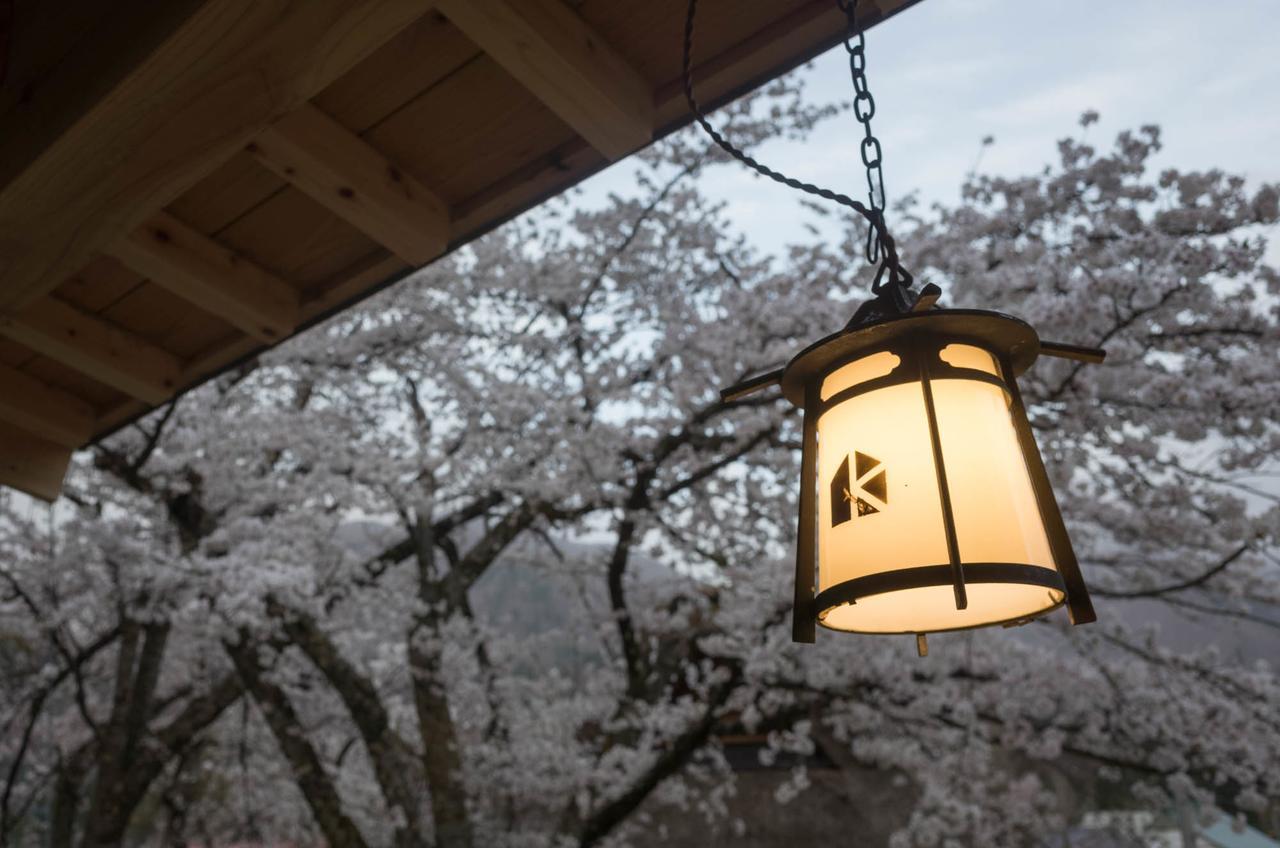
[804,616]
[925,576]
[895,378]
[1079,604]
[767,379]
[944,491]
[751,385]
[1091,355]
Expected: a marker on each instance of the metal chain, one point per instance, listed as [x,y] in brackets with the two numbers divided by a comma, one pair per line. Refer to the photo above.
[880,248]
[864,109]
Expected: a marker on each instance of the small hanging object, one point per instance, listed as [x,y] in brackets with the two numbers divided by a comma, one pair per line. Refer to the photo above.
[924,503]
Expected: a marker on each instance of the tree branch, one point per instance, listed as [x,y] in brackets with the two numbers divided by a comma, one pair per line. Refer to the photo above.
[1180,586]
[669,760]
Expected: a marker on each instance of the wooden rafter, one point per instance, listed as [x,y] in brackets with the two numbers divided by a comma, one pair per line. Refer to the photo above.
[750,60]
[552,52]
[356,182]
[31,464]
[34,406]
[97,348]
[198,269]
[350,285]
[227,71]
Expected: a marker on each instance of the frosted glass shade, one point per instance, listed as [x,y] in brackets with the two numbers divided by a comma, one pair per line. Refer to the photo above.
[881,509]
[924,503]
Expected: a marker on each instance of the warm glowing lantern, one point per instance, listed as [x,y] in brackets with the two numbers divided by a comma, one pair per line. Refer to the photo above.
[924,505]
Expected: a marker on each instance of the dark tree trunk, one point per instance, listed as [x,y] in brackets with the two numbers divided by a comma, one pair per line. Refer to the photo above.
[441,751]
[390,757]
[66,803]
[137,673]
[308,770]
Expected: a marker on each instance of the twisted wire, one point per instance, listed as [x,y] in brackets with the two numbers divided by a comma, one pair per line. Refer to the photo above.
[874,217]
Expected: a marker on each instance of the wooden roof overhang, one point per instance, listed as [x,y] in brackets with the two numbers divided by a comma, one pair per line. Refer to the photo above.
[183,184]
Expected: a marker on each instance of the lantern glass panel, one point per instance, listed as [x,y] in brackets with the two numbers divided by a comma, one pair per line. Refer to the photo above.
[996,515]
[880,506]
[860,371]
[968,356]
[885,431]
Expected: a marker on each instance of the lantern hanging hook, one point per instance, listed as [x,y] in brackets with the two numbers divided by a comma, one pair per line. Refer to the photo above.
[892,285]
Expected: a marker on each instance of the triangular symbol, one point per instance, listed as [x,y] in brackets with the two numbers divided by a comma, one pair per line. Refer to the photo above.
[844,502]
[878,487]
[841,502]
[863,463]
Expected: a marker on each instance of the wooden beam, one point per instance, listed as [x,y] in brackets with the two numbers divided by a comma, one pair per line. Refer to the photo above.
[31,464]
[94,347]
[555,54]
[763,54]
[228,70]
[800,35]
[217,279]
[39,408]
[342,172]
[352,284]
[64,57]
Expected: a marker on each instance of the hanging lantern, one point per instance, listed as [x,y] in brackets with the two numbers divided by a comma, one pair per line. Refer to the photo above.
[924,505]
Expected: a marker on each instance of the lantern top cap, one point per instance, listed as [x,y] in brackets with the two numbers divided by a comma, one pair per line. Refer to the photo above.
[1009,337]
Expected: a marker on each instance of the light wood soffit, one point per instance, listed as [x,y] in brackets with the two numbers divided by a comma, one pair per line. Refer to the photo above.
[345,174]
[44,410]
[551,51]
[517,184]
[96,348]
[230,69]
[352,284]
[30,464]
[215,278]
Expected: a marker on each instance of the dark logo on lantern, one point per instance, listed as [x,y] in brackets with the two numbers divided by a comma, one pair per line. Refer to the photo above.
[869,475]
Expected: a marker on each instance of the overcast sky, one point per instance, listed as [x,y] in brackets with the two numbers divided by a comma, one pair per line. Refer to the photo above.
[947,72]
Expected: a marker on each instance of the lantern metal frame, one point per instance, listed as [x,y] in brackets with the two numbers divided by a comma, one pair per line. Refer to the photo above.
[916,337]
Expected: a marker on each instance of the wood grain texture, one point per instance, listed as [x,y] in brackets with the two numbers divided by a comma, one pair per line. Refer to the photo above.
[31,464]
[97,348]
[478,131]
[549,49]
[350,285]
[63,57]
[230,69]
[43,410]
[198,269]
[352,179]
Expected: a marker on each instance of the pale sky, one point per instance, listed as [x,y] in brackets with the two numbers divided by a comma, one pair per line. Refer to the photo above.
[947,72]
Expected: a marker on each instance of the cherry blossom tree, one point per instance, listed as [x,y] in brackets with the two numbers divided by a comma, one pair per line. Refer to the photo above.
[257,618]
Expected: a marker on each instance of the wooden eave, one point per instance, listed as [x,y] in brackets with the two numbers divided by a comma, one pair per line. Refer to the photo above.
[184,184]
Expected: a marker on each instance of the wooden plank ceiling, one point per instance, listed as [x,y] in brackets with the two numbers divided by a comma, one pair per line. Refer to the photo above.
[183,184]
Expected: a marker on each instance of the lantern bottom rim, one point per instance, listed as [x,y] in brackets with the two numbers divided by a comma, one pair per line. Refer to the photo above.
[921,599]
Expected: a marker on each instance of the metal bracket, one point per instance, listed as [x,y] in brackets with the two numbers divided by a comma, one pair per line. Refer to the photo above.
[1092,355]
